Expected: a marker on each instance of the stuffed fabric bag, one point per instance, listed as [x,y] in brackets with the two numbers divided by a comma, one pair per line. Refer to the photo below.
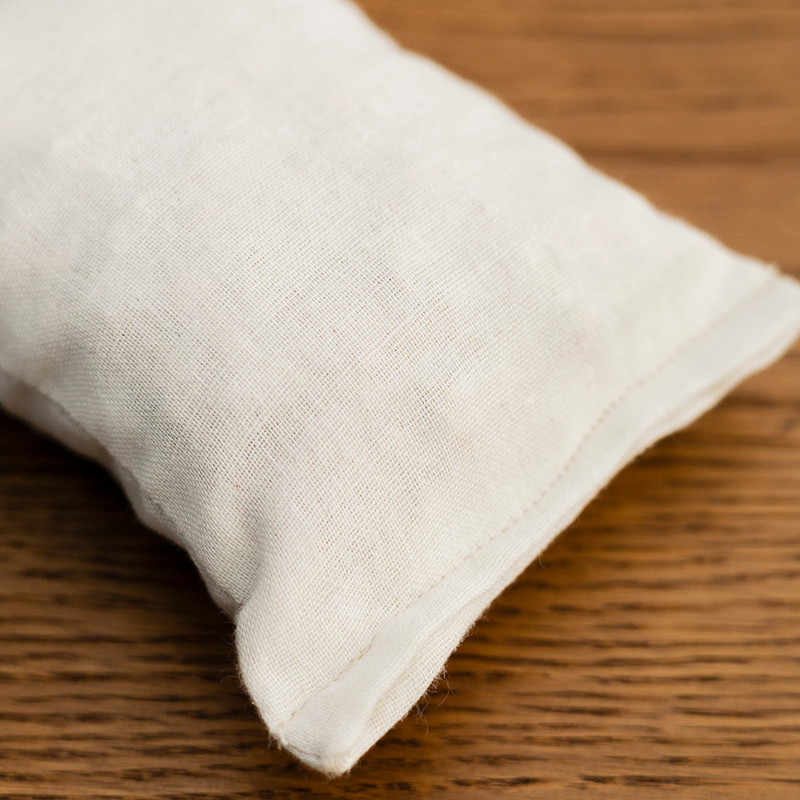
[344,327]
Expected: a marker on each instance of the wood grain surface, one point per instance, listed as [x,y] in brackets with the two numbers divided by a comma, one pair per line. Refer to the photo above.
[653,651]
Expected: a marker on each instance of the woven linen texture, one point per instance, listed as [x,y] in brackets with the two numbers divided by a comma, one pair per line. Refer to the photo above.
[345,327]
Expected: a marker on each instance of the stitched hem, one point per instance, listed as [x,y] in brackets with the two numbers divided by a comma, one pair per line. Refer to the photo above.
[770,328]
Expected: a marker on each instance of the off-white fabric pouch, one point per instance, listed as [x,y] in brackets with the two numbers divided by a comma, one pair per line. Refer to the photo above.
[344,327]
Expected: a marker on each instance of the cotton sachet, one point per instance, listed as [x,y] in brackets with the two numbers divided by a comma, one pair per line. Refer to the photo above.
[344,326]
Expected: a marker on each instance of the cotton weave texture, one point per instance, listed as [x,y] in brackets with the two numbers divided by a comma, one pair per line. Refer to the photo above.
[347,329]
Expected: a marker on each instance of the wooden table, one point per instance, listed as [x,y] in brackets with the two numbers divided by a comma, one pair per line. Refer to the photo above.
[654,651]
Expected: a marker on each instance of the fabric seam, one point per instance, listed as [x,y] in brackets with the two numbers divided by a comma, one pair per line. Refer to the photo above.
[771,280]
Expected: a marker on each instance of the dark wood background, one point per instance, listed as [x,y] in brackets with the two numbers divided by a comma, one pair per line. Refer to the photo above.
[655,649]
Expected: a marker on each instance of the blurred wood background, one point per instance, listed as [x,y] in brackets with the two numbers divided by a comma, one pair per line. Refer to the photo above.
[655,648]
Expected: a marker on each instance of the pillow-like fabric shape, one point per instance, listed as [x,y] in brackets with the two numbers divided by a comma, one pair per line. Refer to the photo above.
[344,327]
